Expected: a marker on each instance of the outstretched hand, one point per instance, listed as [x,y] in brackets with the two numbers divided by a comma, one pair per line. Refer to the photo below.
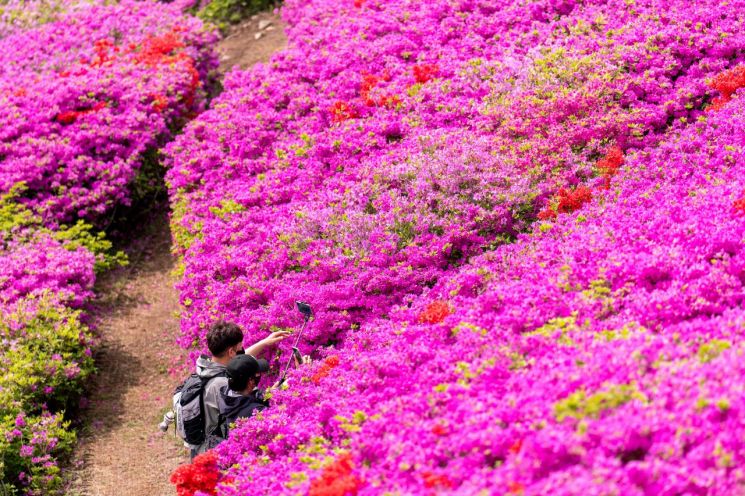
[275,337]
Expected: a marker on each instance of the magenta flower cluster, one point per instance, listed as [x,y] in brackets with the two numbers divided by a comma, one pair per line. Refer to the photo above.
[86,90]
[116,79]
[520,228]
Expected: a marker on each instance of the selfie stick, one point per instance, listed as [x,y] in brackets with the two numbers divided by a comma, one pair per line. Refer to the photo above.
[295,351]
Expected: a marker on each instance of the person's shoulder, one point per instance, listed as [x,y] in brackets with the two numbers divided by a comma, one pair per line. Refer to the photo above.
[219,381]
[215,384]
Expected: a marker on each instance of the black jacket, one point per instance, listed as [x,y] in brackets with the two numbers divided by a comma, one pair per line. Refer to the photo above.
[234,406]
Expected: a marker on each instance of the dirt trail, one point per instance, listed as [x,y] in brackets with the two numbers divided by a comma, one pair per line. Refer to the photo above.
[121,452]
[246,44]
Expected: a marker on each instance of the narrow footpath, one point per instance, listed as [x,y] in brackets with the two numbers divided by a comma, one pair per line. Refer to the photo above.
[121,452]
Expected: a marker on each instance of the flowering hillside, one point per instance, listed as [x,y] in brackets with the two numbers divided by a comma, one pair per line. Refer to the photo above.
[116,80]
[607,349]
[520,226]
[87,90]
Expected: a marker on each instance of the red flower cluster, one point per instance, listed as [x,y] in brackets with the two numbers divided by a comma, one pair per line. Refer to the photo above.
[425,72]
[609,165]
[568,201]
[435,312]
[325,369]
[516,488]
[739,205]
[726,84]
[201,475]
[342,111]
[70,116]
[336,479]
[102,49]
[516,446]
[160,103]
[160,49]
[389,101]
[368,84]
[155,50]
[440,430]
[437,480]
[164,50]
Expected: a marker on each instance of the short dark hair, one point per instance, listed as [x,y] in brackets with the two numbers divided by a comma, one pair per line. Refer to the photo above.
[221,336]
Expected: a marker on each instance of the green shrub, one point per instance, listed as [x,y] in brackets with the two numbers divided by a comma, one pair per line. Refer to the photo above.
[20,224]
[44,361]
[222,13]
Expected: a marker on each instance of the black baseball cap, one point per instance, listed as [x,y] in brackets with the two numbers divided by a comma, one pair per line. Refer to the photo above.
[243,367]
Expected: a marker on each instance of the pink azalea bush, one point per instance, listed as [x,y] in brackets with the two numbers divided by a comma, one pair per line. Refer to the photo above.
[520,229]
[360,173]
[46,277]
[117,80]
[88,91]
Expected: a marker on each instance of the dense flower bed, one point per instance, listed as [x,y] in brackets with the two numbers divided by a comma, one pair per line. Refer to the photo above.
[602,356]
[117,79]
[86,89]
[46,276]
[520,225]
[393,142]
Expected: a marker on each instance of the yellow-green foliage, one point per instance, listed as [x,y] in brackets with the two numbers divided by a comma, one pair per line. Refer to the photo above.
[20,224]
[629,329]
[44,355]
[227,207]
[43,359]
[81,235]
[46,480]
[14,215]
[353,424]
[183,235]
[579,405]
[558,327]
[225,12]
[21,14]
[41,347]
[711,350]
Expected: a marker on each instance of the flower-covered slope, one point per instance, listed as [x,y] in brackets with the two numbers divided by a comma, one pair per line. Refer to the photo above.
[602,355]
[393,141]
[520,225]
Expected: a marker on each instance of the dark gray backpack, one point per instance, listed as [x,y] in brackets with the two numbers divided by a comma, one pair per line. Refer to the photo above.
[188,403]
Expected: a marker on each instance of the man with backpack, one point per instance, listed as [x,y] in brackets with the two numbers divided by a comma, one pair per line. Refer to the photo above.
[197,400]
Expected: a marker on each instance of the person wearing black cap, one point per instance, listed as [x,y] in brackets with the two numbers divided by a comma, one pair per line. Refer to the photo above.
[241,397]
[225,341]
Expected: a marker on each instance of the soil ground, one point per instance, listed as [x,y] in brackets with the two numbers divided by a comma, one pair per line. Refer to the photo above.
[121,452]
[240,46]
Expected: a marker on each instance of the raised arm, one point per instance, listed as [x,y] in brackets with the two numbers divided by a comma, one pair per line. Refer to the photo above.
[258,348]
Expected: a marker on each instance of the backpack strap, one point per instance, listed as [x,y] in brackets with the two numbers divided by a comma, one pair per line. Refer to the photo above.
[221,429]
[201,406]
[222,373]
